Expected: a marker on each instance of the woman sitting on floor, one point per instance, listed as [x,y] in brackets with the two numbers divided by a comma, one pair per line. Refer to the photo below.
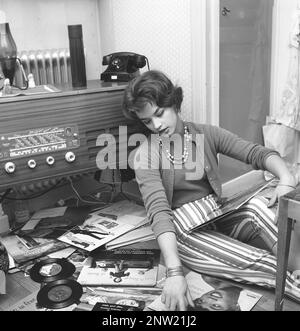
[178,192]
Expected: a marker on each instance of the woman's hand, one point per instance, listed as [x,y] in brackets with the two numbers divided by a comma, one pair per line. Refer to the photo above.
[279,191]
[176,294]
[287,181]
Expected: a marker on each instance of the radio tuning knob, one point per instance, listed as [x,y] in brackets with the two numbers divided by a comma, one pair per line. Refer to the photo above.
[31,164]
[10,167]
[50,160]
[70,157]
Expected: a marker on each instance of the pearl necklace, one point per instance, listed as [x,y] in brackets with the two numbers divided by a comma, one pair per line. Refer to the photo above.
[183,158]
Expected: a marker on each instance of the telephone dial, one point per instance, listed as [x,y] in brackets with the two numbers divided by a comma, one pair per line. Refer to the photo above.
[122,66]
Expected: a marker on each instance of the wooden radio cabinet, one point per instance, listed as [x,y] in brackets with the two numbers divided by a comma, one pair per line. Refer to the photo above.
[55,134]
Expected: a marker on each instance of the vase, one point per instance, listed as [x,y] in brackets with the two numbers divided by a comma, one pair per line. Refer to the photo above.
[77,58]
[8,52]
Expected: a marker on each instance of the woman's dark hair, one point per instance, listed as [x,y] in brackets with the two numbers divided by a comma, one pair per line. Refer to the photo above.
[152,87]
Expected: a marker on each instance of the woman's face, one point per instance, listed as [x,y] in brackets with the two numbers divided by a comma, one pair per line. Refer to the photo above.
[159,120]
[217,300]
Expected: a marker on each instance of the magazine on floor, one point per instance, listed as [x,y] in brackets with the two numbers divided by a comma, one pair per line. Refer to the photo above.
[212,294]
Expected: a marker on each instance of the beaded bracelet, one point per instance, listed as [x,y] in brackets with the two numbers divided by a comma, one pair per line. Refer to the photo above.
[175,271]
[294,187]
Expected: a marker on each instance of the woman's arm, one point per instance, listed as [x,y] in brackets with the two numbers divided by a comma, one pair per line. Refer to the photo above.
[287,181]
[175,292]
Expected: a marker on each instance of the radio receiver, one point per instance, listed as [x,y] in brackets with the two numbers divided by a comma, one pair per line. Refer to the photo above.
[55,135]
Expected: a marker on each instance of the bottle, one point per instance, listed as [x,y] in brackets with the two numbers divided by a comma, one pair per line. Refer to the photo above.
[77,59]
[8,52]
[4,222]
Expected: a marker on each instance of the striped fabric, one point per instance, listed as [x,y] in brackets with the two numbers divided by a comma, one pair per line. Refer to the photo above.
[217,254]
[196,213]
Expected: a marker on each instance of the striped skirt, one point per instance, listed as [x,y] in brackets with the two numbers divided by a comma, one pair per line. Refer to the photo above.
[226,248]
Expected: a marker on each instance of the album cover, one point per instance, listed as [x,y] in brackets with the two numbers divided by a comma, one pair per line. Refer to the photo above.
[102,306]
[97,230]
[132,258]
[53,222]
[80,258]
[140,234]
[122,207]
[20,253]
[121,267]
[212,294]
[120,275]
[230,204]
[117,299]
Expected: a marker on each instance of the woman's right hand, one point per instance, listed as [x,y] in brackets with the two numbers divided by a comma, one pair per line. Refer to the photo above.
[176,294]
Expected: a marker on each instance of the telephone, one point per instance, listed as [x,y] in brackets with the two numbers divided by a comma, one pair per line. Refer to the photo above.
[122,66]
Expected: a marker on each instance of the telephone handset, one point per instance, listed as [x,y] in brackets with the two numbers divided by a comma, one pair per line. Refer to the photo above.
[122,66]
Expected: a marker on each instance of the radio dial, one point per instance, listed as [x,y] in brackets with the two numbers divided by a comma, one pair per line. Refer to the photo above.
[10,167]
[70,157]
[31,164]
[50,160]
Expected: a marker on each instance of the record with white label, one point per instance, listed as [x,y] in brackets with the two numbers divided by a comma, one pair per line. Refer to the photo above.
[51,269]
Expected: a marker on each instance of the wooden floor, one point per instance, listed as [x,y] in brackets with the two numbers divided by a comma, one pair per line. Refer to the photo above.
[18,287]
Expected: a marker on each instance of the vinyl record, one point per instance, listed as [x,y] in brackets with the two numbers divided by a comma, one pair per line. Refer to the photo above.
[51,269]
[59,294]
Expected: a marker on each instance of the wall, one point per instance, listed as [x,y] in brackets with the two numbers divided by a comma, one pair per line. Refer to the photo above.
[159,29]
[171,33]
[42,24]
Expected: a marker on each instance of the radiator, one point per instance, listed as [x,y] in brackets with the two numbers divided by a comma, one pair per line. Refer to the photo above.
[51,66]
